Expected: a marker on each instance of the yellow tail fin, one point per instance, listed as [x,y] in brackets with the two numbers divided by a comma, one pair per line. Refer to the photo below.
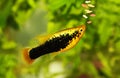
[26,56]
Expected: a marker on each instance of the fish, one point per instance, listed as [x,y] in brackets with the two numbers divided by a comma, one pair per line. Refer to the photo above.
[58,42]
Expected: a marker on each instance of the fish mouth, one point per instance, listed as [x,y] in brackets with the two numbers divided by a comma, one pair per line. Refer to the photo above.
[83,27]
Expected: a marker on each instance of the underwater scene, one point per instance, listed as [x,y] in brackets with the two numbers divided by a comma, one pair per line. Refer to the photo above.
[59,38]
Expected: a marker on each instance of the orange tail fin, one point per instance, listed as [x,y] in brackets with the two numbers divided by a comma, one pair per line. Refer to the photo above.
[26,56]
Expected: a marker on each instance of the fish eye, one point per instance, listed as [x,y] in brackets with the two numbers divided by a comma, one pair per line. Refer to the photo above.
[81,30]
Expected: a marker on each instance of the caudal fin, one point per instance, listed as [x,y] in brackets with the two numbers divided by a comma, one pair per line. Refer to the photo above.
[26,56]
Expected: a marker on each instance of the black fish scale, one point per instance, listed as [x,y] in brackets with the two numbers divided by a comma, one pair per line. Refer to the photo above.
[52,45]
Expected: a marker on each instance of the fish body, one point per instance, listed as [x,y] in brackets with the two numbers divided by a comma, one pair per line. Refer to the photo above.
[57,42]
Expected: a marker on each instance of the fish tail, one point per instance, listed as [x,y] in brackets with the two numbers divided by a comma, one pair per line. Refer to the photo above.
[26,56]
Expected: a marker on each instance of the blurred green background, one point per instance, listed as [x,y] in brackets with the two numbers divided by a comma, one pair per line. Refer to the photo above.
[97,55]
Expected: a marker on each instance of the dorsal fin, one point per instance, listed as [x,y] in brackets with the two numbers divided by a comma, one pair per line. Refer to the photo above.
[42,38]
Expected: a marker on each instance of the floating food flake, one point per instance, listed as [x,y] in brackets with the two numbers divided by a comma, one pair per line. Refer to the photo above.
[84,5]
[89,22]
[92,15]
[90,5]
[88,11]
[85,16]
[87,1]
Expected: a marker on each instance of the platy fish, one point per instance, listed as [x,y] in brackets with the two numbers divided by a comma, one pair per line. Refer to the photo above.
[57,42]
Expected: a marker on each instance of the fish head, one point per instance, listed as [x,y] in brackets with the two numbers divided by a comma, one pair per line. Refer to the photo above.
[81,30]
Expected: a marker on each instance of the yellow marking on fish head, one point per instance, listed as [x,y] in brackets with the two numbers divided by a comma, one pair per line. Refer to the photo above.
[74,41]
